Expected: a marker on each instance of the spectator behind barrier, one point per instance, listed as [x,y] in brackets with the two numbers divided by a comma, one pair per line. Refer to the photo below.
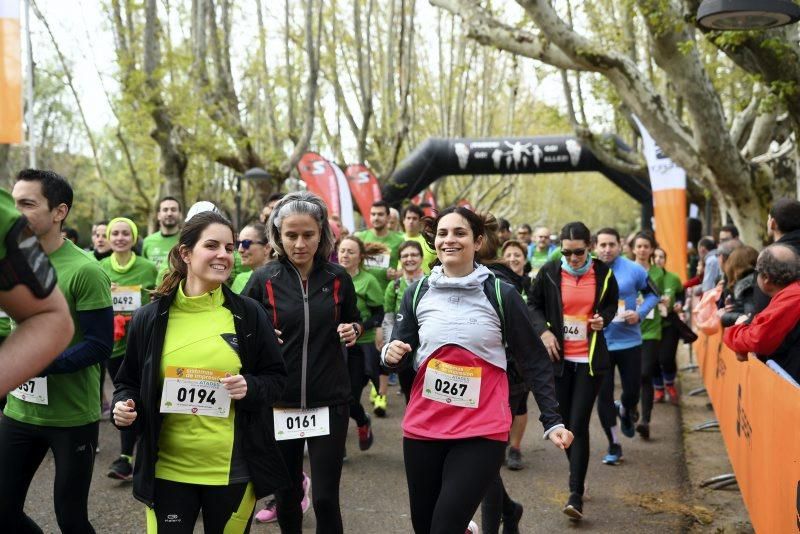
[740,281]
[783,226]
[774,333]
[710,258]
[728,232]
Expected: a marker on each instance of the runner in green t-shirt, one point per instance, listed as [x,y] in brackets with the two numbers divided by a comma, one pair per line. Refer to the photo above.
[382,266]
[60,410]
[363,358]
[670,306]
[156,246]
[254,250]
[132,280]
[412,223]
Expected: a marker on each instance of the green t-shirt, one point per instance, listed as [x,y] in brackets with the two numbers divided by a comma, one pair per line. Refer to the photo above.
[241,282]
[370,295]
[428,255]
[199,449]
[651,326]
[8,216]
[672,286]
[156,247]
[538,259]
[142,273]
[392,240]
[393,295]
[73,398]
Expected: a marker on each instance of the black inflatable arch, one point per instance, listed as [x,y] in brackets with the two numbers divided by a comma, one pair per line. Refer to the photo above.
[439,157]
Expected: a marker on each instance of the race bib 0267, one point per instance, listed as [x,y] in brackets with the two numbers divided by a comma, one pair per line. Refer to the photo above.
[195,392]
[456,385]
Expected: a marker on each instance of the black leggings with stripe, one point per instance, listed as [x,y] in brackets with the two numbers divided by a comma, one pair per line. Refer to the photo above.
[227,509]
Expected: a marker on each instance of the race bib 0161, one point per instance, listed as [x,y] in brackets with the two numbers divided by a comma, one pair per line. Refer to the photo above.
[296,423]
[456,385]
[33,390]
[195,392]
[126,298]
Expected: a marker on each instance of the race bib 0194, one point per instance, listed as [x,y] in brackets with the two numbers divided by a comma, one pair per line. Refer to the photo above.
[33,390]
[456,385]
[296,423]
[575,327]
[126,298]
[195,392]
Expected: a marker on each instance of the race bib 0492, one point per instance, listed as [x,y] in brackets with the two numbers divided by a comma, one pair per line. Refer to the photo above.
[33,390]
[195,392]
[126,298]
[457,385]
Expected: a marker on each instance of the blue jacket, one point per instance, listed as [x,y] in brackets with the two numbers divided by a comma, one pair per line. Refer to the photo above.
[632,279]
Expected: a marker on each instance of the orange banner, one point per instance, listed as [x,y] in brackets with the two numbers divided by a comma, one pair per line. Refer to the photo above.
[669,207]
[10,73]
[759,416]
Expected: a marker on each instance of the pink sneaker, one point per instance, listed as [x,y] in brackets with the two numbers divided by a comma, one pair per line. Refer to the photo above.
[269,514]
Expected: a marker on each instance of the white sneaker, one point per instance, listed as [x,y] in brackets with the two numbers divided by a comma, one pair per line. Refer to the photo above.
[472,528]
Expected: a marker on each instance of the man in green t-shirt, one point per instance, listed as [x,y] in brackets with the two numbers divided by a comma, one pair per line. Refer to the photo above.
[383,267]
[29,294]
[156,246]
[539,252]
[412,223]
[59,410]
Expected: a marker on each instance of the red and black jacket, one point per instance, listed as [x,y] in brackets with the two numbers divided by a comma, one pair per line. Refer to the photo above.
[307,319]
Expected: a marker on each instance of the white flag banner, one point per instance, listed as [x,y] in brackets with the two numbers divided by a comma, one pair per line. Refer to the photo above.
[345,199]
[664,173]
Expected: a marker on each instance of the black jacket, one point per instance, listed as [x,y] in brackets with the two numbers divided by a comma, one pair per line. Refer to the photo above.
[526,347]
[548,311]
[742,298]
[522,283]
[139,379]
[314,355]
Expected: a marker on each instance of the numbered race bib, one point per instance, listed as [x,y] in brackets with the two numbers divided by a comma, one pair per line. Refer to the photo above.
[126,298]
[195,392]
[33,390]
[452,384]
[651,314]
[620,310]
[380,261]
[296,423]
[575,327]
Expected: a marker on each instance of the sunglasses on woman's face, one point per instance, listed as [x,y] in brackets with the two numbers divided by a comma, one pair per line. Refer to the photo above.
[245,243]
[576,252]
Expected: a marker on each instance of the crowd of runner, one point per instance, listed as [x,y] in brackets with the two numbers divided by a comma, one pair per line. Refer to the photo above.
[250,347]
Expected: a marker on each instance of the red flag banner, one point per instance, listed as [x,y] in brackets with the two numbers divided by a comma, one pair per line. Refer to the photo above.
[364,187]
[320,178]
[429,198]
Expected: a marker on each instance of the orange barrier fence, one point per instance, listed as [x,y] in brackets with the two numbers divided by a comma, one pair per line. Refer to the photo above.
[759,416]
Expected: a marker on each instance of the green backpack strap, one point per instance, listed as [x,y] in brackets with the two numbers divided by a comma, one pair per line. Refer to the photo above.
[500,311]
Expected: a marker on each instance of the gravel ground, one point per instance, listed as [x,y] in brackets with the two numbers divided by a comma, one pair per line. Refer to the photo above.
[644,494]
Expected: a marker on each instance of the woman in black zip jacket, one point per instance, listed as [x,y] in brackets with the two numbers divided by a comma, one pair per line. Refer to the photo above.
[573,299]
[198,377]
[312,303]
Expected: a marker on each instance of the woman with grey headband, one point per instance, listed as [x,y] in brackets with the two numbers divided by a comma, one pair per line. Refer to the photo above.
[312,302]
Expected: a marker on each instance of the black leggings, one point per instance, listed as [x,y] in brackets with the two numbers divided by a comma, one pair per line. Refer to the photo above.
[406,376]
[447,479]
[629,363]
[576,391]
[325,454]
[497,503]
[226,509]
[127,439]
[358,379]
[650,367]
[22,449]
[666,357]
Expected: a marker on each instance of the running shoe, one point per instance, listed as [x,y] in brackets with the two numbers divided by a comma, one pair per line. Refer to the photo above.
[514,459]
[379,405]
[574,507]
[658,395]
[472,528]
[373,393]
[511,522]
[393,379]
[626,421]
[674,397]
[614,456]
[269,514]
[643,428]
[365,437]
[121,469]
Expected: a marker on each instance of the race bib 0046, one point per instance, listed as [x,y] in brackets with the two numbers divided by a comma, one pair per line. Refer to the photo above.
[126,298]
[33,390]
[575,327]
[194,392]
[457,385]
[296,423]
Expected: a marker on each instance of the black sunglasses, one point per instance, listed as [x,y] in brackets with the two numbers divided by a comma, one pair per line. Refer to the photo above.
[576,252]
[245,243]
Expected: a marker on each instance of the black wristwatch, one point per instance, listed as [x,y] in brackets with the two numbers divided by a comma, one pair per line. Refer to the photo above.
[25,262]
